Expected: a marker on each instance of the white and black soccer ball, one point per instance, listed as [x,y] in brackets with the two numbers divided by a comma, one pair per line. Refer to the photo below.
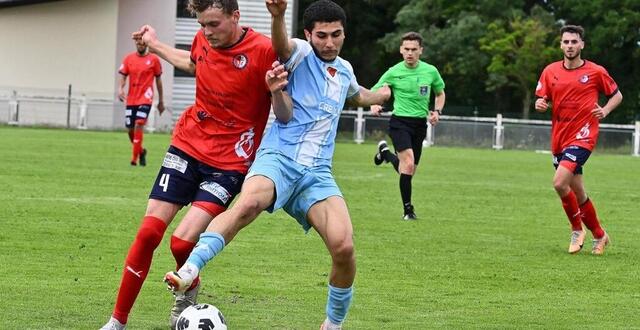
[201,317]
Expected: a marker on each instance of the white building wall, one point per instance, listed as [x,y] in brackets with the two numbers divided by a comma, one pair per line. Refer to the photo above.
[51,45]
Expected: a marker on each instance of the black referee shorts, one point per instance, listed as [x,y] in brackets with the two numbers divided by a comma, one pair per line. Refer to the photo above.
[408,132]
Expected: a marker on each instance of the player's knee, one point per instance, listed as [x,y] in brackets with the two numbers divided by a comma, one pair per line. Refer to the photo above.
[343,251]
[561,187]
[248,209]
[140,122]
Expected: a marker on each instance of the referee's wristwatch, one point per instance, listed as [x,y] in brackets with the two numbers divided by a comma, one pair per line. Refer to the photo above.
[438,111]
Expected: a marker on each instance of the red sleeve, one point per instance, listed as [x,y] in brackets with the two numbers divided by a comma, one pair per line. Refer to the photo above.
[124,67]
[542,89]
[606,84]
[157,67]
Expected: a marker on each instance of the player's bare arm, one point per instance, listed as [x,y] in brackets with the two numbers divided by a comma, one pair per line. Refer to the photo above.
[366,97]
[179,58]
[160,94]
[283,46]
[434,116]
[613,102]
[122,96]
[276,79]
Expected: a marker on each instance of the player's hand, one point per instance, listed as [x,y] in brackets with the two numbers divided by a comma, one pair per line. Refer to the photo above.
[160,107]
[434,117]
[276,78]
[147,34]
[541,104]
[599,112]
[276,7]
[376,110]
[121,95]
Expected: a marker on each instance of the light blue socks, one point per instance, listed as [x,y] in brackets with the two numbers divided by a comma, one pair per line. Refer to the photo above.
[338,303]
[209,245]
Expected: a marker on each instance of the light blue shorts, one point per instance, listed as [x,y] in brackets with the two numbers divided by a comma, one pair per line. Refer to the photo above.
[297,187]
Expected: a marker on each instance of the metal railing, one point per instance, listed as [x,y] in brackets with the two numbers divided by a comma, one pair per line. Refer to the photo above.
[492,132]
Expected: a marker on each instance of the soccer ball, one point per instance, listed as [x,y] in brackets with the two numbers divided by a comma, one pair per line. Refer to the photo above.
[201,317]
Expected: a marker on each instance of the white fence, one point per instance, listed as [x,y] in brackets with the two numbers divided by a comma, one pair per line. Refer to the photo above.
[492,132]
[54,108]
[92,111]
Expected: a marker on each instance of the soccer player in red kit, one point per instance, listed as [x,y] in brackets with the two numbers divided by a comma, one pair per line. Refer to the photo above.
[140,68]
[213,144]
[573,86]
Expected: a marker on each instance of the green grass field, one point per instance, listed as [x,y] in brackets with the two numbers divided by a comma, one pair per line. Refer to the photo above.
[489,250]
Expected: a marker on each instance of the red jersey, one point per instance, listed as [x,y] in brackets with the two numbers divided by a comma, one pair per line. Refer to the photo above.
[224,127]
[573,93]
[141,71]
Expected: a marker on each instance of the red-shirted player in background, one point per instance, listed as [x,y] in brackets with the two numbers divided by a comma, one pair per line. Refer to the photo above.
[573,86]
[140,67]
[213,142]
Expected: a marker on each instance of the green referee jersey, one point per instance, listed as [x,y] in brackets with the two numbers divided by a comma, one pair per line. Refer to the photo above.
[411,88]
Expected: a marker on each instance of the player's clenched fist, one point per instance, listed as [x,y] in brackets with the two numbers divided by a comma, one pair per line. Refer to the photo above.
[276,7]
[541,104]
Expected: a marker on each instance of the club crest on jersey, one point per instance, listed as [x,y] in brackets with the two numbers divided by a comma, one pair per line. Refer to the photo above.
[332,71]
[240,61]
[584,79]
[148,62]
[424,90]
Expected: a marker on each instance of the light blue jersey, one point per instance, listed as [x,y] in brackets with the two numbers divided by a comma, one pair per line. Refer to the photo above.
[318,90]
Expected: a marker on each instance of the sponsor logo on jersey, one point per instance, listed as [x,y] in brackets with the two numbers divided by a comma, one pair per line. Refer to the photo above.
[216,190]
[244,146]
[584,79]
[328,107]
[202,115]
[148,93]
[240,61]
[584,132]
[174,162]
[570,156]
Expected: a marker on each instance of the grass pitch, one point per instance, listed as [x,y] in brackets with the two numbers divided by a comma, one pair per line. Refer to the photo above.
[489,250]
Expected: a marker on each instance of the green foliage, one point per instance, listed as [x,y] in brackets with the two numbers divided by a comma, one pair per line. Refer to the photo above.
[489,250]
[453,31]
[519,49]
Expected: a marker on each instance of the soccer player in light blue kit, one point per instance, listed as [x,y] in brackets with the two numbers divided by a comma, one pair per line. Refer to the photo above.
[292,169]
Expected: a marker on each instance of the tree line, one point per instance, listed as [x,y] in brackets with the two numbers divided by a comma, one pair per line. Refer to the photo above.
[491,52]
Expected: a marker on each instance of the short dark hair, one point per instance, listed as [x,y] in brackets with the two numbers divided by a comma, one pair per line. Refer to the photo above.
[325,11]
[412,36]
[198,6]
[577,29]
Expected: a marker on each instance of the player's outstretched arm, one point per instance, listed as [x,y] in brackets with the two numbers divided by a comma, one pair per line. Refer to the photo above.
[179,58]
[279,38]
[366,97]
[276,80]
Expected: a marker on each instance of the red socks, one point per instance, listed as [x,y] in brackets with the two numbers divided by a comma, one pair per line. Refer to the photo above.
[570,205]
[181,250]
[590,219]
[137,265]
[137,140]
